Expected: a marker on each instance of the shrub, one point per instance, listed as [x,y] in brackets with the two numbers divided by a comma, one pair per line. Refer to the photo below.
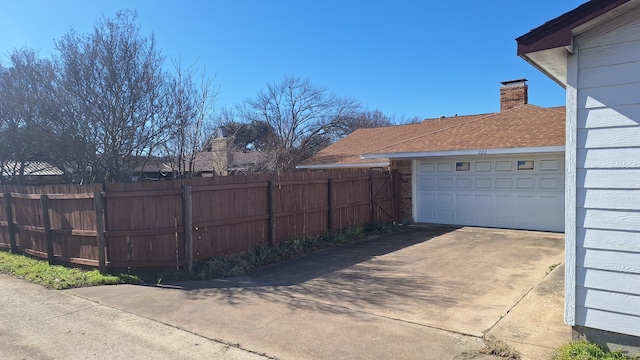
[584,350]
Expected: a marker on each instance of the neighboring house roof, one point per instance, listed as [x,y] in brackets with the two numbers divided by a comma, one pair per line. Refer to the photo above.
[33,168]
[244,161]
[526,126]
[546,46]
[203,163]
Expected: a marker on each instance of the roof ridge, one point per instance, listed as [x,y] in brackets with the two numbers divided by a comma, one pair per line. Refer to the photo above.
[457,116]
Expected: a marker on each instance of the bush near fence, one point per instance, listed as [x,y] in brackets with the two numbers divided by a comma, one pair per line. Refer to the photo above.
[176,223]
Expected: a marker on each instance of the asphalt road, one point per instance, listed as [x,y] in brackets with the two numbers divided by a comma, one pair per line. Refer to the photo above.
[36,323]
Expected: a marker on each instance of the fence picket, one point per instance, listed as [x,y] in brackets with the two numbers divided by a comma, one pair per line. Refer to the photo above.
[163,225]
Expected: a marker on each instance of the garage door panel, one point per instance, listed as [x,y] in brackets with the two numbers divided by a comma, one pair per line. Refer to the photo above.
[504,183]
[482,166]
[482,200]
[483,183]
[526,220]
[445,167]
[525,183]
[483,217]
[549,165]
[426,167]
[504,165]
[463,216]
[492,192]
[445,183]
[428,215]
[463,183]
[445,200]
[504,218]
[428,200]
[525,202]
[427,183]
[548,202]
[550,183]
[445,215]
[504,201]
[463,200]
[550,219]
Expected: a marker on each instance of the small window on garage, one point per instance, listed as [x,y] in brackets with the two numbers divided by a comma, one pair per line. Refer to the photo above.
[462,166]
[525,164]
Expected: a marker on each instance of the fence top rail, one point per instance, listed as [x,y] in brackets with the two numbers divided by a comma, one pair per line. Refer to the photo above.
[300,182]
[25,196]
[50,196]
[70,196]
[196,188]
[140,193]
[351,179]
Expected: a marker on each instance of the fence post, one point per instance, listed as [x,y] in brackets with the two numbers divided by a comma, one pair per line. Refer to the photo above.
[98,204]
[10,224]
[372,198]
[330,214]
[272,215]
[187,206]
[395,177]
[46,223]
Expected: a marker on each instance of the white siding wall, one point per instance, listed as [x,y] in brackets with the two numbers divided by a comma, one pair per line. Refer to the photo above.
[607,177]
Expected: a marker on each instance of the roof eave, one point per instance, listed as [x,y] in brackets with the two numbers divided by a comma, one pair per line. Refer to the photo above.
[343,166]
[470,152]
[551,62]
[546,47]
[557,33]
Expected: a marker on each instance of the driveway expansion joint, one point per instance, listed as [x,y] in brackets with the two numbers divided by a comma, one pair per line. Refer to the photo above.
[219,341]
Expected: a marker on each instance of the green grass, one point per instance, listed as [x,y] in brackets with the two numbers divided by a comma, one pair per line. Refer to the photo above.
[57,276]
[552,267]
[583,350]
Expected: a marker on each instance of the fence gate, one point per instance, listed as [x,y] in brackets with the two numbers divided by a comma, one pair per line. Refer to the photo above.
[385,197]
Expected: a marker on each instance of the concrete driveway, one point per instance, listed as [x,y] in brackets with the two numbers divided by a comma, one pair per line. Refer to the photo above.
[423,293]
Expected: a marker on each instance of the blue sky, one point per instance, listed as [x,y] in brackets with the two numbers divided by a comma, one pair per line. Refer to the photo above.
[406,58]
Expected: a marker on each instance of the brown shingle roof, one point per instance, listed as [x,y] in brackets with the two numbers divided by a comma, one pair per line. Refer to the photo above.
[525,126]
[521,127]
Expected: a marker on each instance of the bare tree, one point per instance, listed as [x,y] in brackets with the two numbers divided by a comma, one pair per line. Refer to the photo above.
[303,117]
[365,119]
[250,136]
[114,95]
[26,111]
[190,106]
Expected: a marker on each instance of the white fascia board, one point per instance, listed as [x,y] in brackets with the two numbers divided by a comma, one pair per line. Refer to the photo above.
[343,166]
[503,151]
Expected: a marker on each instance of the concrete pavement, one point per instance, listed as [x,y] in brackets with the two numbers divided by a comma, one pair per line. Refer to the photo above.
[36,323]
[535,326]
[423,293]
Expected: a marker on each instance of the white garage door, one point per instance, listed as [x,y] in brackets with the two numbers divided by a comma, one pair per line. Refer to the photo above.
[523,192]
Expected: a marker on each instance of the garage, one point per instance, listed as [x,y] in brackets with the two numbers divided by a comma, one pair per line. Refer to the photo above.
[512,191]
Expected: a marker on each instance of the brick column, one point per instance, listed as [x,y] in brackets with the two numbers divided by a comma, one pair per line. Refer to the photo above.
[406,197]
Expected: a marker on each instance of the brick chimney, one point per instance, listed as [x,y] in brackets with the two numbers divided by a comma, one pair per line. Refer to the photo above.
[513,93]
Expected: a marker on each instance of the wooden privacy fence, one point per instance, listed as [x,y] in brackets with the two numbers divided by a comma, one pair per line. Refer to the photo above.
[174,224]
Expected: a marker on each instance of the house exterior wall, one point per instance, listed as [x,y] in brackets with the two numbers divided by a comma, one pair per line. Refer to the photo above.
[405,168]
[603,178]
